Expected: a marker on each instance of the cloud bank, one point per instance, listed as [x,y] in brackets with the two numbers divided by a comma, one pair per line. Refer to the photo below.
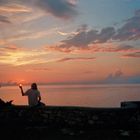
[76,59]
[4,19]
[89,39]
[58,8]
[64,9]
[85,37]
[132,55]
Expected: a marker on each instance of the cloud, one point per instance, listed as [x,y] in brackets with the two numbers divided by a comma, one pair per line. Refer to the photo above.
[132,55]
[4,19]
[137,12]
[59,8]
[85,37]
[62,33]
[81,39]
[105,47]
[14,8]
[76,59]
[115,77]
[10,48]
[28,35]
[106,34]
[119,78]
[133,79]
[66,33]
[118,73]
[39,69]
[23,12]
[115,74]
[27,10]
[121,48]
[124,48]
[16,56]
[59,49]
[8,83]
[130,30]
[88,39]
[3,2]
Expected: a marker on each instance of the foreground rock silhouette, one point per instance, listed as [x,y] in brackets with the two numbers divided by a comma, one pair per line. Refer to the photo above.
[55,122]
[5,104]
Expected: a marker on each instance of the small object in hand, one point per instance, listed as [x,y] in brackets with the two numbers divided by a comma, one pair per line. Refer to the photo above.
[20,85]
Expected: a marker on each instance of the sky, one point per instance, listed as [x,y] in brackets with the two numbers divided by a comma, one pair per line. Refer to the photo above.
[69,41]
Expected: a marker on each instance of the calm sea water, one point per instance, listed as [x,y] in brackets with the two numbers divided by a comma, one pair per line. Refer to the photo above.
[77,95]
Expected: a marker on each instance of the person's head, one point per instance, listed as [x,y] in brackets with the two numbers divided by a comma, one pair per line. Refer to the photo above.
[34,86]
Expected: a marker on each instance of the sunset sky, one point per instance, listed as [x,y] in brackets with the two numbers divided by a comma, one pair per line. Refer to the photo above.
[69,41]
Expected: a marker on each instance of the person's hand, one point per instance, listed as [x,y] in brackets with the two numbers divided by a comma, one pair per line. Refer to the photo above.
[20,86]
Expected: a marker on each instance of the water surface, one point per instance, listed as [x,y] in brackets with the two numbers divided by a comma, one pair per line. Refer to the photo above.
[77,95]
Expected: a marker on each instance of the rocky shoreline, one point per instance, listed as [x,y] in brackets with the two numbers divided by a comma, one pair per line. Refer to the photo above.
[58,122]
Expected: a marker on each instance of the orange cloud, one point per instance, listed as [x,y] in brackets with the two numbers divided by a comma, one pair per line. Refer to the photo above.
[132,55]
[76,59]
[27,35]
[14,8]
[18,56]
[106,47]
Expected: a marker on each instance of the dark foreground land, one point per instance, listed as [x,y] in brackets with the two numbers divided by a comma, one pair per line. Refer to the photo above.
[69,123]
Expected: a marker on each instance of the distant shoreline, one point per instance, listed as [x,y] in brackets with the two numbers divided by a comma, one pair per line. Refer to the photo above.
[65,84]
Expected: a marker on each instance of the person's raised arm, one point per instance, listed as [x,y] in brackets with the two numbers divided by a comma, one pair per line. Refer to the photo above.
[20,86]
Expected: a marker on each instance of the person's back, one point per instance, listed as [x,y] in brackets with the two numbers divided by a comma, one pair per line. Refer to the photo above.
[33,95]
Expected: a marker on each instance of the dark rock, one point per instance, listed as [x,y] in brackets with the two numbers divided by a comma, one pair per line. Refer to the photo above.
[70,122]
[130,104]
[5,104]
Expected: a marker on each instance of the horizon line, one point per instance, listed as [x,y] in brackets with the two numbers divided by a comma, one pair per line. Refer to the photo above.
[98,83]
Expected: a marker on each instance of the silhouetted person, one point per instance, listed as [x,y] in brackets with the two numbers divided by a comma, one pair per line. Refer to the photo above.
[33,94]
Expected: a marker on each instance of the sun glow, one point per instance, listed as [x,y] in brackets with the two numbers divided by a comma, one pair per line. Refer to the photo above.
[22,57]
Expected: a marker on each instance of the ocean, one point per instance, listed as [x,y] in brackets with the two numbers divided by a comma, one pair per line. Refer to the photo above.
[103,95]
